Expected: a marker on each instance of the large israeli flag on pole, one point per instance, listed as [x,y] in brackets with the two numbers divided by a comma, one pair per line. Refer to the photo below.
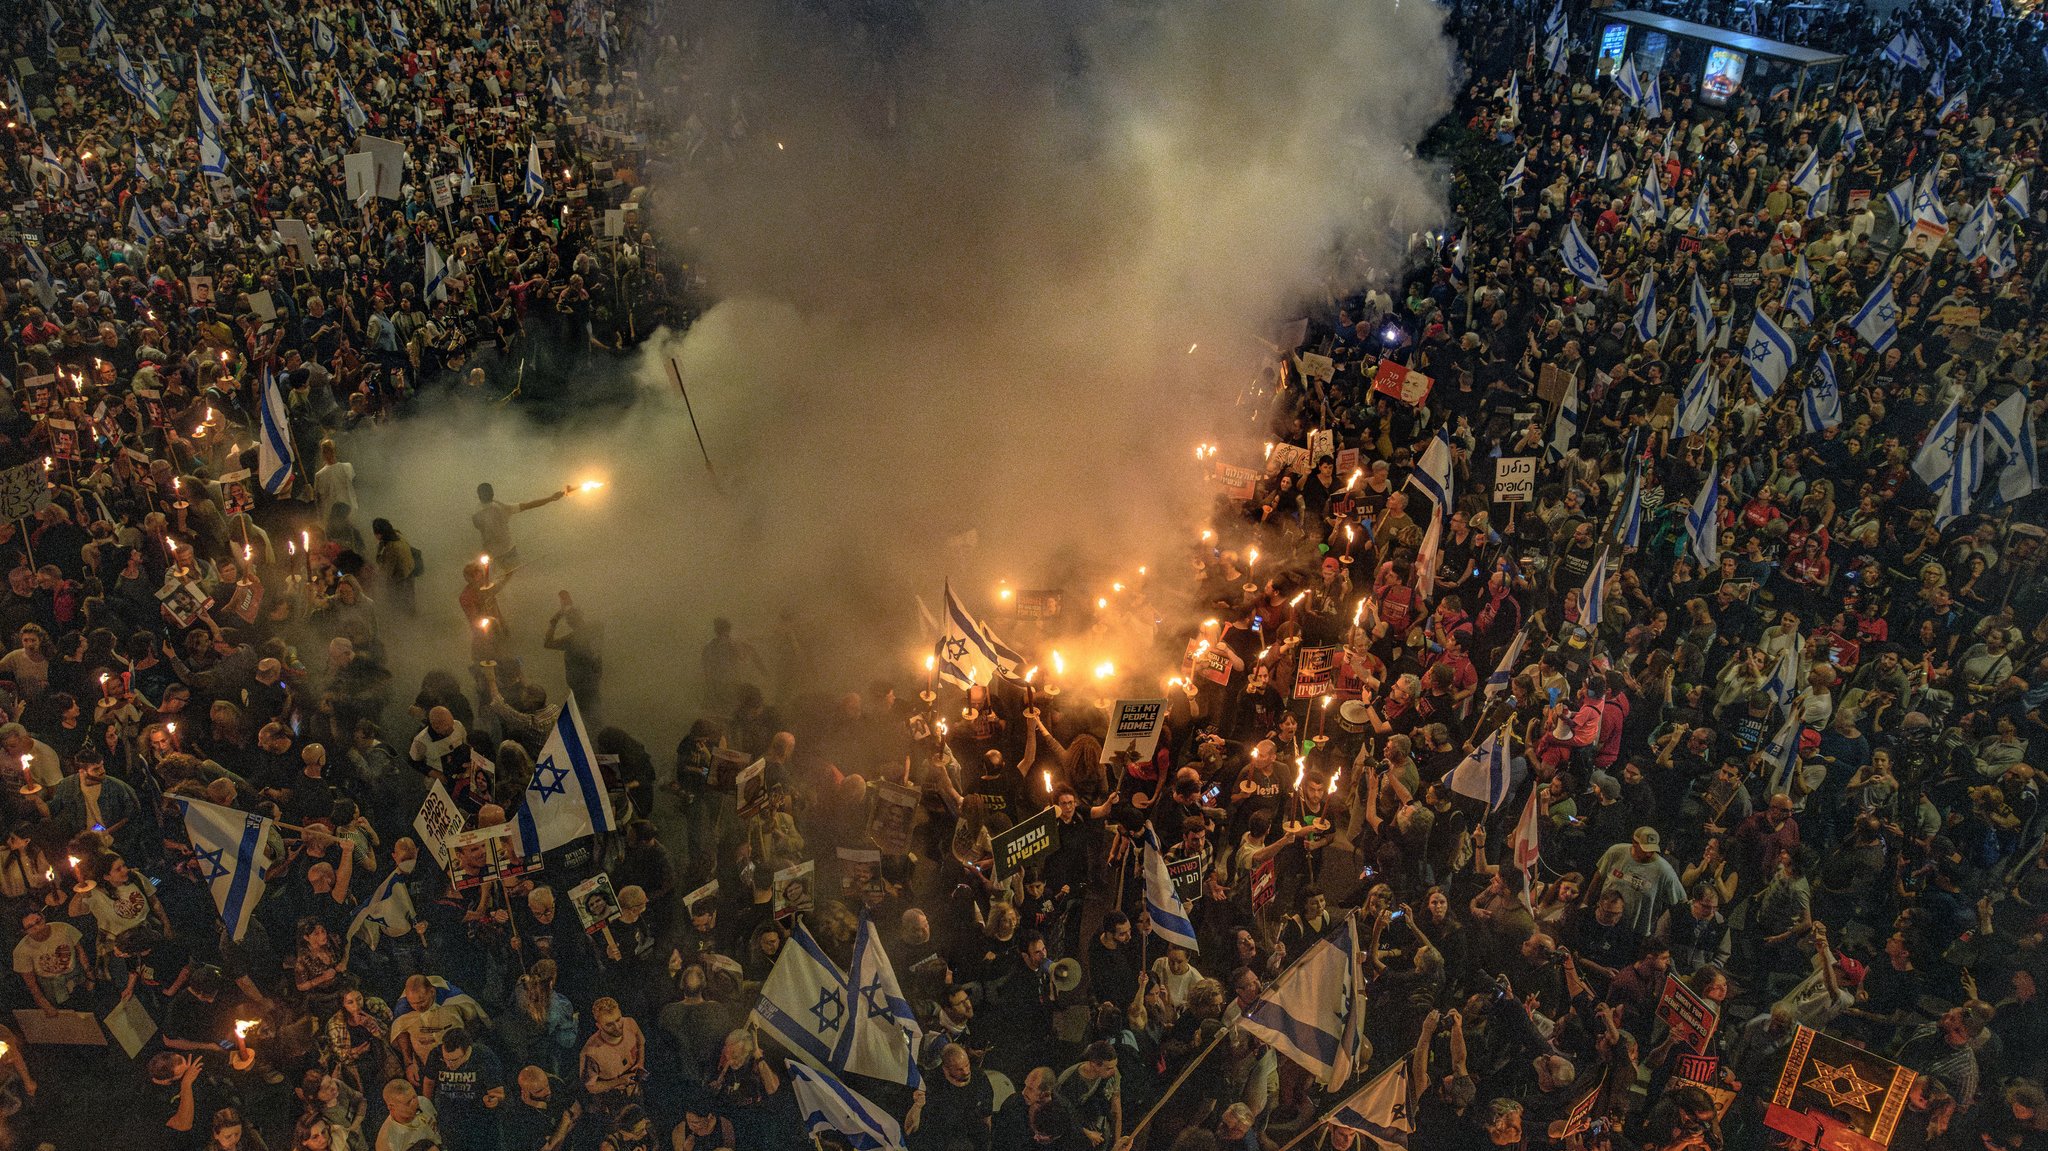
[1699,405]
[1504,672]
[1565,428]
[1312,1015]
[826,1104]
[1580,259]
[1433,472]
[1646,308]
[1769,354]
[1877,321]
[1379,1110]
[209,104]
[276,453]
[536,182]
[1593,596]
[1703,521]
[1702,307]
[1937,452]
[968,650]
[1486,775]
[884,1011]
[567,799]
[231,849]
[816,1011]
[1799,291]
[1629,82]
[1169,915]
[436,274]
[1820,402]
[388,906]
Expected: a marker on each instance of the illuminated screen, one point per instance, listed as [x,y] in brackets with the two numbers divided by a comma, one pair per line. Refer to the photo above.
[1613,45]
[1723,76]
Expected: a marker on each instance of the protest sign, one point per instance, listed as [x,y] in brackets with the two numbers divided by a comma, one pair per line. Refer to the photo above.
[1322,442]
[1034,606]
[1020,843]
[892,815]
[1691,1016]
[300,237]
[387,164]
[795,888]
[751,787]
[1827,1086]
[24,490]
[1186,873]
[596,903]
[1315,669]
[61,1028]
[130,1025]
[1316,367]
[438,819]
[1404,384]
[486,853]
[1134,727]
[1238,483]
[1265,885]
[859,869]
[1288,458]
[1514,479]
[358,176]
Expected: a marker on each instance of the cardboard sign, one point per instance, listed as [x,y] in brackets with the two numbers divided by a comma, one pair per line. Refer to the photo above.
[438,819]
[1409,387]
[1265,885]
[796,888]
[1514,479]
[1288,458]
[1034,606]
[892,815]
[298,236]
[1134,727]
[1209,661]
[485,853]
[1321,442]
[444,191]
[130,1025]
[1021,843]
[387,164]
[1960,316]
[596,903]
[1691,1017]
[1347,462]
[1551,383]
[24,490]
[1238,483]
[358,175]
[704,894]
[752,786]
[1315,670]
[860,868]
[201,288]
[1827,1085]
[1317,367]
[65,1028]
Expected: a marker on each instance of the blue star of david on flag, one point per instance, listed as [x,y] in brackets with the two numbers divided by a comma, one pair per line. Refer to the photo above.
[211,861]
[877,999]
[830,1010]
[549,779]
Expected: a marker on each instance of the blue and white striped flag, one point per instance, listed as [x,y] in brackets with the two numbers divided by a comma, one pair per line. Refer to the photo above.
[232,851]
[1629,529]
[2022,471]
[1699,405]
[1169,915]
[826,1104]
[1651,193]
[1432,472]
[1799,290]
[969,651]
[1782,753]
[1784,678]
[1580,259]
[390,905]
[1900,200]
[1956,105]
[323,38]
[140,223]
[1820,403]
[536,182]
[1512,182]
[1487,774]
[567,799]
[2004,256]
[1555,21]
[1700,217]
[468,174]
[1807,178]
[209,104]
[1379,1110]
[1937,85]
[2015,197]
[1600,166]
[1976,233]
[1593,596]
[1645,318]
[1557,52]
[1852,135]
[1703,520]
[245,94]
[1927,204]
[1653,97]
[1701,306]
[52,23]
[398,36]
[1770,355]
[276,452]
[1313,1014]
[1823,199]
[897,1036]
[436,274]
[352,113]
[277,50]
[1877,321]
[1936,457]
[19,103]
[1565,428]
[212,160]
[1631,85]
[831,1021]
[1955,491]
[1504,672]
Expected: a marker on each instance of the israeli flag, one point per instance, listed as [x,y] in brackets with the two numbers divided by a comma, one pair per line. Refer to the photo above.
[1823,198]
[231,849]
[1956,105]
[1653,99]
[969,651]
[884,1011]
[19,103]
[1313,1014]
[468,173]
[209,104]
[1936,457]
[245,94]
[323,39]
[1769,353]
[1927,206]
[1580,259]
[1557,52]
[1807,178]
[1554,23]
[156,92]
[555,92]
[1433,471]
[1630,530]
[1699,405]
[1512,182]
[351,112]
[277,50]
[1820,403]
[1913,54]
[536,183]
[1955,53]
[140,223]
[1799,291]
[1703,520]
[1976,231]
[437,274]
[1952,496]
[1379,1110]
[1565,428]
[829,1105]
[2016,197]
[2021,474]
[1169,916]
[1487,775]
[52,22]
[1593,596]
[816,1011]
[1646,307]
[142,169]
[1514,92]
[1600,168]
[1877,321]
[276,453]
[567,799]
[1504,672]
[39,272]
[398,35]
[1702,308]
[2004,259]
[212,161]
[1651,193]
[1782,753]
[1937,85]
[1784,678]
[1852,135]
[388,906]
[126,76]
[1631,85]
[1900,201]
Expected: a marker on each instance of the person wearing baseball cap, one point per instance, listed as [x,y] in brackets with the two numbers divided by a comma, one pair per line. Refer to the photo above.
[1646,881]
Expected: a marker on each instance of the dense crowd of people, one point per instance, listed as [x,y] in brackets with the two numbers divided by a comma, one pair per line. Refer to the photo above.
[1733,706]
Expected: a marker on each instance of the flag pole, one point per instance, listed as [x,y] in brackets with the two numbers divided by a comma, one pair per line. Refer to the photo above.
[1131,1139]
[1314,1126]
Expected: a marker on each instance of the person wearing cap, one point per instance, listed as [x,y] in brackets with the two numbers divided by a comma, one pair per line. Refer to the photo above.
[1646,881]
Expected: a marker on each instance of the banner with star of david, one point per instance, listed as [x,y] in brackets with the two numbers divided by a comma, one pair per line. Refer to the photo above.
[1828,1085]
[232,851]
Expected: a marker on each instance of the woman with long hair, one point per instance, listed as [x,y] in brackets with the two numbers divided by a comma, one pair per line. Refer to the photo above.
[540,1026]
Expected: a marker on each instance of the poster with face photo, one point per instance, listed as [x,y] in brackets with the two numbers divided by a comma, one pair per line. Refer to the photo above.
[796,888]
[182,601]
[486,853]
[596,903]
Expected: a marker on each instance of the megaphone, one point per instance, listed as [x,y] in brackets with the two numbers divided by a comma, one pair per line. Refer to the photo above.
[1066,975]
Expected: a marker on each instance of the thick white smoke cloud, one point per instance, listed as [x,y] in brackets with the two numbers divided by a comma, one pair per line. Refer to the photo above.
[958,297]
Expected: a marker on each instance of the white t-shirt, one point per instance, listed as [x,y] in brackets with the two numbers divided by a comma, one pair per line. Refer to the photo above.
[336,484]
[117,910]
[396,1136]
[51,958]
[445,753]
